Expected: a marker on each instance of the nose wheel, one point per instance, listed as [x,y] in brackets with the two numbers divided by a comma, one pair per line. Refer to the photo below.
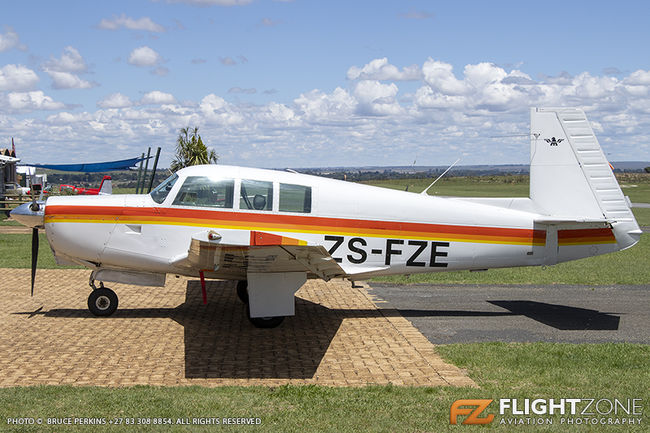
[102,301]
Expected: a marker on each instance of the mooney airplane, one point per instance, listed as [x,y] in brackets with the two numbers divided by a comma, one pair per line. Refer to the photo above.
[272,230]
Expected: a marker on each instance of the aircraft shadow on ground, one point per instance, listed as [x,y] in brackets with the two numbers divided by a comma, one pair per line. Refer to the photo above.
[220,342]
[561,316]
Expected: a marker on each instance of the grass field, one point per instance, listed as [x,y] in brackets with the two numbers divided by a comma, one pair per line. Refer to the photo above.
[538,370]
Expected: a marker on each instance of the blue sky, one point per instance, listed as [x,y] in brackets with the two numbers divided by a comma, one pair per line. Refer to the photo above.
[306,83]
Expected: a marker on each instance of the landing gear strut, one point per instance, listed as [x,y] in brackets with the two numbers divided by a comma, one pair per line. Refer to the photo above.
[102,301]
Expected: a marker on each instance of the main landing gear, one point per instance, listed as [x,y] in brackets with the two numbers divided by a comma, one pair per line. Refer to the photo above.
[258,322]
[102,300]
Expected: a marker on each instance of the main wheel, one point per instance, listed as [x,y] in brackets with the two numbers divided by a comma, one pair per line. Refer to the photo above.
[102,302]
[264,322]
[242,291]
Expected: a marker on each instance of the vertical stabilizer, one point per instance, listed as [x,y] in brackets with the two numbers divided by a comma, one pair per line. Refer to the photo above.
[570,176]
[106,186]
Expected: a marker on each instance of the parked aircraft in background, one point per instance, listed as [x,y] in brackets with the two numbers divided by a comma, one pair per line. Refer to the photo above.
[272,230]
[105,187]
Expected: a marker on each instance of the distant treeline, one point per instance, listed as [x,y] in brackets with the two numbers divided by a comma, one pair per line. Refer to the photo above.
[128,179]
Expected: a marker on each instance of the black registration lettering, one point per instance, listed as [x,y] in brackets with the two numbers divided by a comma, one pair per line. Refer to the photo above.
[435,254]
[389,249]
[412,260]
[338,240]
[362,253]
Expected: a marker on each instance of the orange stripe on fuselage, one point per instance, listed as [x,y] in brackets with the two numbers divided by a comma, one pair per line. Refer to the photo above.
[292,223]
[586,237]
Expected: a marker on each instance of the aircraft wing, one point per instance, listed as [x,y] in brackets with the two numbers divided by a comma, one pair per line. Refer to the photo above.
[264,253]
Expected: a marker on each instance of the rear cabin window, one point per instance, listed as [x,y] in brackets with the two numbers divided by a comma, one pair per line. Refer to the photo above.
[256,195]
[203,191]
[295,198]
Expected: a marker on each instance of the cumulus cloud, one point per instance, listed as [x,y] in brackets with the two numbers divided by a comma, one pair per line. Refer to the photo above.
[376,99]
[380,69]
[66,80]
[198,61]
[157,97]
[70,61]
[17,77]
[115,100]
[448,113]
[10,40]
[268,22]
[144,57]
[64,70]
[144,23]
[29,101]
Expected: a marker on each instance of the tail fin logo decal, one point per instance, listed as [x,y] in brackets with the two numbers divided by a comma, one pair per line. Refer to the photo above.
[553,142]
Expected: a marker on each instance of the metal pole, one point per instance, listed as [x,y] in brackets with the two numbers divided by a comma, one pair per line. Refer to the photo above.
[137,184]
[146,165]
[153,171]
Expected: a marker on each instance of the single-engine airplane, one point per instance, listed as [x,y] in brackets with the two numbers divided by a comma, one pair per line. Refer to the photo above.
[272,230]
[106,187]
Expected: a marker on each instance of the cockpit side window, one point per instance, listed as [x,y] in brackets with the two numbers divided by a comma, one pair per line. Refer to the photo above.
[160,193]
[295,198]
[204,191]
[256,195]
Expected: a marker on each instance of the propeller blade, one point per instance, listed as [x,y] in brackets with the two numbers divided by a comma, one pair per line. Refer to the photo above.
[34,255]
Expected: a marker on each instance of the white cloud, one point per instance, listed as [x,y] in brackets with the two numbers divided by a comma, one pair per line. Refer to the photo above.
[70,61]
[317,106]
[35,100]
[157,97]
[66,80]
[144,23]
[144,57]
[638,78]
[216,110]
[372,122]
[17,77]
[376,99]
[10,40]
[380,69]
[115,100]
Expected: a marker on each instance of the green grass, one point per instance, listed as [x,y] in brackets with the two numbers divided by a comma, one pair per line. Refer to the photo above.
[502,370]
[485,186]
[642,215]
[8,222]
[623,267]
[17,252]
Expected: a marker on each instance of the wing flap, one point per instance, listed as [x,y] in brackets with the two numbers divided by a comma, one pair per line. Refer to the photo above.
[266,253]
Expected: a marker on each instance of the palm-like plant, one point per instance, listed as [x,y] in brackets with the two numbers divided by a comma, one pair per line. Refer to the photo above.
[190,150]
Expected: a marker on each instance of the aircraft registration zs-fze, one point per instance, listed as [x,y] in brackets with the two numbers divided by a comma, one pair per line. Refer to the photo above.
[272,230]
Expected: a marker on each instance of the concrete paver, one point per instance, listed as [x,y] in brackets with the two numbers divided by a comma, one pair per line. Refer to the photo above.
[166,336]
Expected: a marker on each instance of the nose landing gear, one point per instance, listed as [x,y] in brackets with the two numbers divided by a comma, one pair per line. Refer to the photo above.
[102,301]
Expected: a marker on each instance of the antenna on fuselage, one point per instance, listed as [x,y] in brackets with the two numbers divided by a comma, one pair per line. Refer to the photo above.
[438,178]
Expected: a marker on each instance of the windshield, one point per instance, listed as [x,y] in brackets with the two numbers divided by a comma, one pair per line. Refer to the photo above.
[160,193]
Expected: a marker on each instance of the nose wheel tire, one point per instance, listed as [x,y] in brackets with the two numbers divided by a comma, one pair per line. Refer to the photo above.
[242,291]
[264,322]
[102,302]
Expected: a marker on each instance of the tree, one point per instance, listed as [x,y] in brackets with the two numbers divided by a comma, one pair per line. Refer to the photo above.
[190,150]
